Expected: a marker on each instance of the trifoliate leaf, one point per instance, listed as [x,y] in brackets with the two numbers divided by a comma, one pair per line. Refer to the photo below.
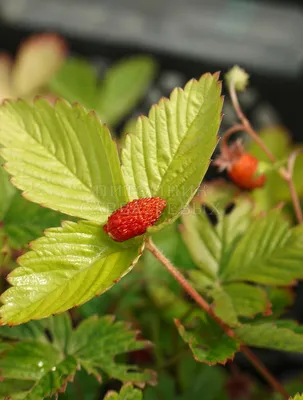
[25,221]
[170,151]
[76,81]
[63,158]
[268,253]
[42,367]
[97,342]
[206,339]
[65,268]
[272,336]
[38,58]
[240,249]
[127,392]
[122,86]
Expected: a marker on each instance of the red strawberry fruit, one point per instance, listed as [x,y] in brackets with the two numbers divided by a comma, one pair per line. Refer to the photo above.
[243,172]
[242,167]
[134,218]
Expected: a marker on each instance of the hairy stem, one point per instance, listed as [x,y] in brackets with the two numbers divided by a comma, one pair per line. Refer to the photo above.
[206,307]
[286,175]
[246,124]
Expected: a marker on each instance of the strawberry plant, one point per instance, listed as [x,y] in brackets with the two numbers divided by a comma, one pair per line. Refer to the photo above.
[204,271]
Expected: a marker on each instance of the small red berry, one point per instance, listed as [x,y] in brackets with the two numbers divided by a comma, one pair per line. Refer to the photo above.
[242,167]
[243,172]
[134,218]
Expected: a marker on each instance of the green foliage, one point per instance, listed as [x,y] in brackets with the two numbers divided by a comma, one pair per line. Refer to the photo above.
[195,380]
[87,260]
[239,249]
[62,158]
[170,151]
[127,392]
[65,171]
[45,366]
[297,397]
[272,336]
[206,339]
[76,81]
[25,221]
[122,86]
[7,191]
[275,189]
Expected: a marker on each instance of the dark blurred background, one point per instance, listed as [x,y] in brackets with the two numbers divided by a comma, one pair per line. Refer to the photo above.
[187,38]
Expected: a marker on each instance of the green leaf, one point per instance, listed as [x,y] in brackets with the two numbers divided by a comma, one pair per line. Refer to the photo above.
[297,397]
[122,86]
[25,221]
[37,60]
[43,368]
[52,382]
[13,386]
[269,253]
[207,341]
[98,341]
[60,327]
[211,246]
[65,268]
[7,191]
[33,330]
[63,158]
[34,368]
[39,363]
[280,299]
[278,140]
[127,392]
[170,151]
[76,81]
[272,336]
[34,359]
[239,299]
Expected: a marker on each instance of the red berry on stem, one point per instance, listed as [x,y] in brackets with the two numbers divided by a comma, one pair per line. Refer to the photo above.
[243,172]
[134,218]
[242,167]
